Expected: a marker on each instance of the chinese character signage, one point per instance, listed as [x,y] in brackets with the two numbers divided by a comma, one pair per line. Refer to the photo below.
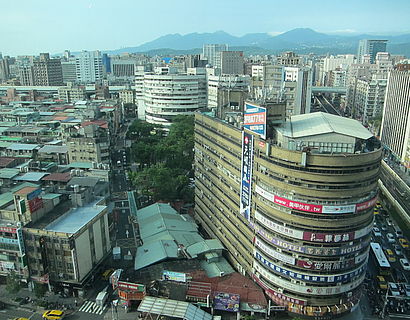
[35,204]
[226,301]
[246,174]
[255,119]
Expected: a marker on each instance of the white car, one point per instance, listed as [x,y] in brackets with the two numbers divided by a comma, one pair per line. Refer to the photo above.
[394,289]
[376,232]
[390,238]
[397,250]
[405,264]
[407,289]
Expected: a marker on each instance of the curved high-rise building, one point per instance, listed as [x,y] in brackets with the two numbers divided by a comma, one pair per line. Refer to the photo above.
[168,95]
[294,208]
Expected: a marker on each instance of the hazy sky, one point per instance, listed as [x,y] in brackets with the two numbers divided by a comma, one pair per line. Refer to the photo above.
[33,26]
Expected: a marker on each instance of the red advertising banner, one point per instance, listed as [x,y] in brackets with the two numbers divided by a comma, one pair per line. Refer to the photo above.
[8,229]
[315,208]
[328,237]
[366,205]
[35,204]
[298,205]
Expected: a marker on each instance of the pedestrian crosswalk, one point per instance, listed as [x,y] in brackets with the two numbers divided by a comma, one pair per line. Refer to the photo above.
[91,307]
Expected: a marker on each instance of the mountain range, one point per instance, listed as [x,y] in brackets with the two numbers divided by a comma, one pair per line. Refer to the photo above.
[300,40]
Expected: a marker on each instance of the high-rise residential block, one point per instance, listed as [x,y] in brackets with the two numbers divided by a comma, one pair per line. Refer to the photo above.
[371,48]
[294,209]
[232,62]
[89,67]
[47,71]
[168,94]
[395,132]
[212,53]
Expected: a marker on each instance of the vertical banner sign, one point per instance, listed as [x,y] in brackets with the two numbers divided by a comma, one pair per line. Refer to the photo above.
[246,174]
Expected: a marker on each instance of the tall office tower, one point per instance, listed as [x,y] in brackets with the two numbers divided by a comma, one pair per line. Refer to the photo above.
[69,70]
[26,75]
[106,62]
[212,53]
[227,94]
[46,71]
[395,132]
[89,67]
[122,68]
[370,47]
[232,62]
[292,201]
[167,95]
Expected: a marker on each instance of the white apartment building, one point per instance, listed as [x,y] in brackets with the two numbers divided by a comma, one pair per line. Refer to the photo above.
[169,95]
[89,67]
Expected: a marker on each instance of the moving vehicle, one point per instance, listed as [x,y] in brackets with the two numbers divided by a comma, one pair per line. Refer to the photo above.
[390,255]
[394,289]
[407,289]
[404,243]
[397,250]
[382,282]
[398,231]
[53,314]
[380,259]
[376,232]
[390,238]
[101,298]
[405,264]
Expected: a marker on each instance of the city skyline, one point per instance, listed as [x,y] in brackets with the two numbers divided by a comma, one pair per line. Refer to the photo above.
[29,28]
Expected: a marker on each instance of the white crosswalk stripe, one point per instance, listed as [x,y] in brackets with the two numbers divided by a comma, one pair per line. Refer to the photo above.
[91,307]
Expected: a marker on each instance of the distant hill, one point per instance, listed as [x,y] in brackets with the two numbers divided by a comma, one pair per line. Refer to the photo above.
[301,40]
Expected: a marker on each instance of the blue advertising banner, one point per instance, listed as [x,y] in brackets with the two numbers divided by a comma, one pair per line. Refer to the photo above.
[226,302]
[255,119]
[246,174]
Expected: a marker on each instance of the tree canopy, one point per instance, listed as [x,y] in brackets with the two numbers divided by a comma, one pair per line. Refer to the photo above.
[165,160]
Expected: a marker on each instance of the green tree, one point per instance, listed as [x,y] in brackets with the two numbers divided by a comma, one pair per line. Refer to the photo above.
[39,289]
[165,161]
[13,283]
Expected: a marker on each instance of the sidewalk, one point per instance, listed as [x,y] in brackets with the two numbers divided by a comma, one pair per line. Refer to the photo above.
[33,305]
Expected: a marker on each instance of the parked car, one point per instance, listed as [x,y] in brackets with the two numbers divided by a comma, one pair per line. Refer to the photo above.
[390,238]
[405,264]
[389,221]
[384,228]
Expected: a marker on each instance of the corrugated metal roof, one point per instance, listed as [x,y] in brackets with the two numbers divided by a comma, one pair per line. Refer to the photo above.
[321,123]
[31,176]
[154,252]
[22,146]
[8,173]
[204,246]
[53,149]
[172,308]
